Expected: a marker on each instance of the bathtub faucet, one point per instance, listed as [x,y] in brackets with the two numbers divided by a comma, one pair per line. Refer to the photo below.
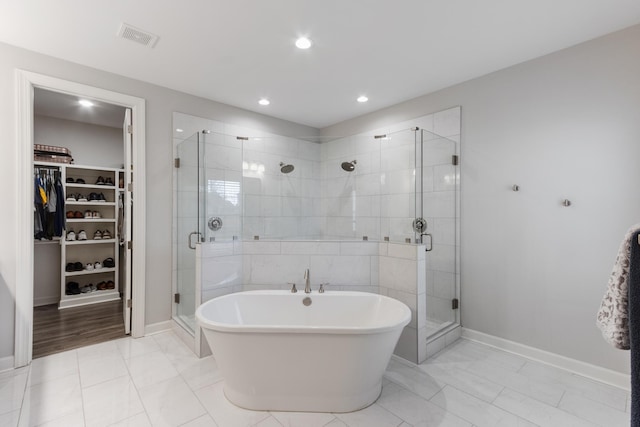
[307,282]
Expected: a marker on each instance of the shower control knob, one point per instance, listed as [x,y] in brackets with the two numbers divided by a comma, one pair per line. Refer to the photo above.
[215,223]
[419,225]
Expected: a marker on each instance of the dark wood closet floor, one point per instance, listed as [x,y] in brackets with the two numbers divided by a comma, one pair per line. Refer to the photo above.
[56,330]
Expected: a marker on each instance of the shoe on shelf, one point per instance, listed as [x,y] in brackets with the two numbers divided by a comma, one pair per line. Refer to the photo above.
[72,198]
[97,235]
[97,265]
[82,198]
[78,215]
[82,235]
[109,263]
[96,214]
[77,266]
[70,267]
[111,285]
[102,198]
[93,197]
[71,236]
[70,180]
[85,289]
[108,181]
[70,214]
[100,181]
[72,288]
[93,287]
[80,181]
[102,286]
[89,267]
[88,214]
[106,234]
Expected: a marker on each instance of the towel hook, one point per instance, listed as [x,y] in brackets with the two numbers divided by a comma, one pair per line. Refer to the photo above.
[566,203]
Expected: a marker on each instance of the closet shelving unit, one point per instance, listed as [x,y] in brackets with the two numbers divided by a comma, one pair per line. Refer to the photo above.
[90,250]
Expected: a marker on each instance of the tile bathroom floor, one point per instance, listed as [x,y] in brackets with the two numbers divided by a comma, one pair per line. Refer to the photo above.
[157,381]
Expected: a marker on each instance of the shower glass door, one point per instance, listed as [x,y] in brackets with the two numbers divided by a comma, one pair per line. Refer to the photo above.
[188,166]
[437,186]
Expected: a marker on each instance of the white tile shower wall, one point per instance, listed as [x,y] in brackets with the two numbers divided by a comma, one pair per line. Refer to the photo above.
[377,199]
[402,272]
[222,185]
[220,268]
[279,205]
[248,172]
[344,265]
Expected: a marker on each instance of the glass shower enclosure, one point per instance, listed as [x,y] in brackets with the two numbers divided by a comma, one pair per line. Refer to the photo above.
[401,187]
[189,214]
[435,225]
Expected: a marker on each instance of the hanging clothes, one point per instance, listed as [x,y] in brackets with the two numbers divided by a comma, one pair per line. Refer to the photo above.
[60,223]
[39,201]
[48,191]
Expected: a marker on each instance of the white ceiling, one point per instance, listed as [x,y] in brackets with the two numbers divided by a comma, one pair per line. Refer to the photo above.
[63,106]
[236,51]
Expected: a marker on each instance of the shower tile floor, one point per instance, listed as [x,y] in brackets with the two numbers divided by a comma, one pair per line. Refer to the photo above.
[157,381]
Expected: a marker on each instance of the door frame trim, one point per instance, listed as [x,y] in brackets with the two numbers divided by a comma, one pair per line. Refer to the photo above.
[25,82]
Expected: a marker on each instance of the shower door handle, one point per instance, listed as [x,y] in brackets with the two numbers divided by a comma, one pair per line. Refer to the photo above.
[190,235]
[430,247]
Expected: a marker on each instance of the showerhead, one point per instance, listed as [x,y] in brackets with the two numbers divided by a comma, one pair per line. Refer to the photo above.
[286,168]
[349,166]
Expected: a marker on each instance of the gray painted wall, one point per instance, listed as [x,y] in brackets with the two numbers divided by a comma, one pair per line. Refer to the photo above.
[566,125]
[161,103]
[91,145]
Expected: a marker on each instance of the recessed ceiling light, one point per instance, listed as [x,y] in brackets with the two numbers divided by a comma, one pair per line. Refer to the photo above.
[303,43]
[179,130]
[362,98]
[85,103]
[264,101]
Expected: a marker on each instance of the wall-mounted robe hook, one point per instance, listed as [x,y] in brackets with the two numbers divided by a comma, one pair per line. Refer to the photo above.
[566,203]
[515,187]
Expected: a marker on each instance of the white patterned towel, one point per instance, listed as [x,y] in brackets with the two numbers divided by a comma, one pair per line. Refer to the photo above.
[613,316]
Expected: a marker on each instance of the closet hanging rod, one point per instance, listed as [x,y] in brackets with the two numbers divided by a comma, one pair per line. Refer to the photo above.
[47,167]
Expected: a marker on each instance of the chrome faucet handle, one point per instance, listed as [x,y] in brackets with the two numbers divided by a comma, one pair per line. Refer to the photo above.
[293,287]
[321,290]
[307,282]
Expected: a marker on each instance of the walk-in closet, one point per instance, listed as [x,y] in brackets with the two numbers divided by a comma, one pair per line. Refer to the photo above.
[82,211]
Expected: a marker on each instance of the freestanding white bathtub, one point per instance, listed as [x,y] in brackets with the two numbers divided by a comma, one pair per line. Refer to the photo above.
[276,353]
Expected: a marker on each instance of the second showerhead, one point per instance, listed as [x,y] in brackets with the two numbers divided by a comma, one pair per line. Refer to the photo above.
[284,168]
[349,166]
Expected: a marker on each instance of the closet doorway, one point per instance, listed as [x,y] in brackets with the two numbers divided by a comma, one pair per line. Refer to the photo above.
[88,282]
[80,222]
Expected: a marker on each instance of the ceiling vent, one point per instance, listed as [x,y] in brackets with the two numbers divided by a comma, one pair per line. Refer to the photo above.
[137,35]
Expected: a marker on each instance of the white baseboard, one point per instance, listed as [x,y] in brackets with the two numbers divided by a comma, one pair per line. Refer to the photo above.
[155,328]
[6,363]
[588,370]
